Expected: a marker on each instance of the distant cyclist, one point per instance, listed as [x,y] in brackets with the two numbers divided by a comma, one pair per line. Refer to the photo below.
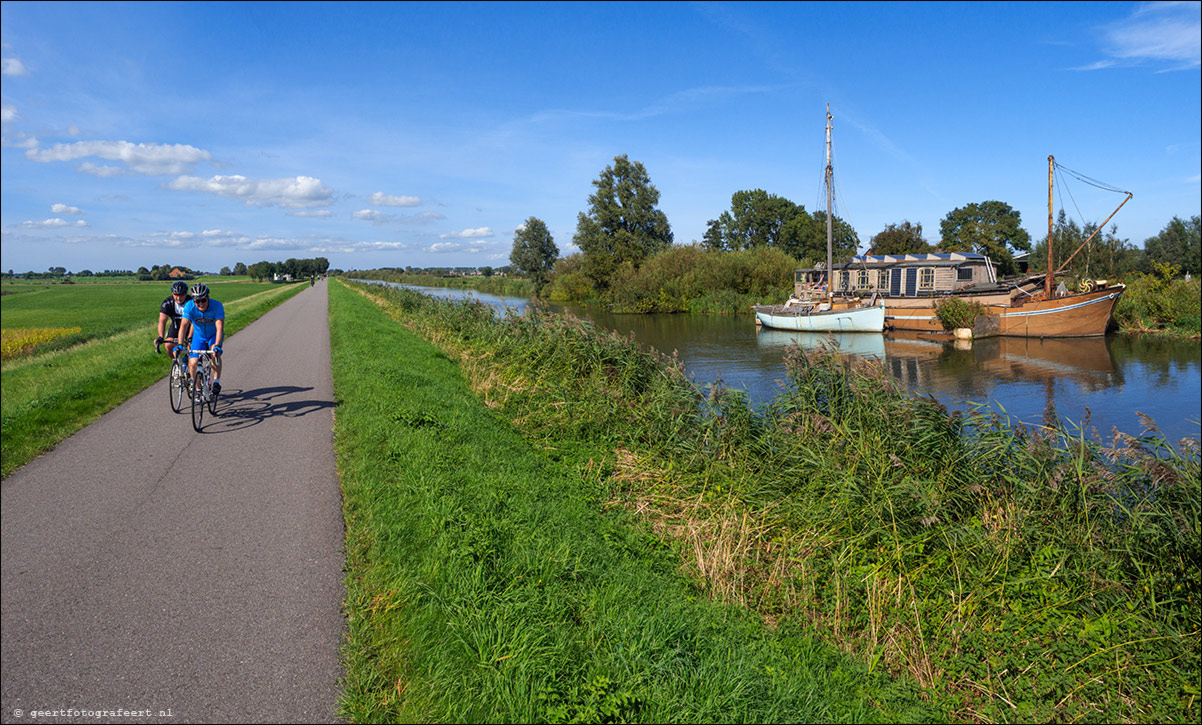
[208,318]
[170,313]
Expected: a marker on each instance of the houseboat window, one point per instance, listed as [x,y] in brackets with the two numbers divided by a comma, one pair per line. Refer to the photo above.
[844,280]
[862,279]
[964,274]
[926,278]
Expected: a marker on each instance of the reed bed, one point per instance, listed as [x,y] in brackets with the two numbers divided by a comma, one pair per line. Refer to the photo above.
[488,583]
[1015,573]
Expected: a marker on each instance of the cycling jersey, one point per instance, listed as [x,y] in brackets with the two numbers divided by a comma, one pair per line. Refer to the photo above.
[174,309]
[205,322]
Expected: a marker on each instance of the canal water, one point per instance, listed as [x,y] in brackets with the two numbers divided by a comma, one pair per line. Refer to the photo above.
[1100,383]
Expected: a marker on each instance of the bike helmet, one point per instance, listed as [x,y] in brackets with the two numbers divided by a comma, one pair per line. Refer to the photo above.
[200,291]
[178,287]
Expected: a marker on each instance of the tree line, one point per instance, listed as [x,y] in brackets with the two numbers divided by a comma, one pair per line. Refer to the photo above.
[623,227]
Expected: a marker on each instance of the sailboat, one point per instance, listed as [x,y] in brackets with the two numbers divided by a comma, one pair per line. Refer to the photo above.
[911,285]
[809,312]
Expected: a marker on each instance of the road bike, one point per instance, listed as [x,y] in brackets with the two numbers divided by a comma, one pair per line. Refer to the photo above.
[177,379]
[203,395]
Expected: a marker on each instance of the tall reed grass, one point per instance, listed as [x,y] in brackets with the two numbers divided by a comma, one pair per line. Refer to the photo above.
[486,583]
[1017,574]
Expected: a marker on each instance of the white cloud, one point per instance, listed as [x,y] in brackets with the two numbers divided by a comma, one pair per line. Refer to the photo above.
[469,234]
[8,112]
[379,218]
[370,215]
[1160,33]
[381,199]
[14,67]
[312,213]
[475,246]
[53,223]
[152,159]
[64,209]
[22,141]
[103,172]
[300,192]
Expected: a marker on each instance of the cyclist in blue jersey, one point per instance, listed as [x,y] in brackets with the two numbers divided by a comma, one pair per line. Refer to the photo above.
[170,312]
[207,317]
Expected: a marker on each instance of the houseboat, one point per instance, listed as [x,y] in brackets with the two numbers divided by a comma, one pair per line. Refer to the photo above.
[911,285]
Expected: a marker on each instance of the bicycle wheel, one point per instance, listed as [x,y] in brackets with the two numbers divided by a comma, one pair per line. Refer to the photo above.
[176,384]
[199,393]
[212,396]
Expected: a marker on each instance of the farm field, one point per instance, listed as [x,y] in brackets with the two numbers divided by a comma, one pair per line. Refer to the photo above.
[59,386]
[99,310]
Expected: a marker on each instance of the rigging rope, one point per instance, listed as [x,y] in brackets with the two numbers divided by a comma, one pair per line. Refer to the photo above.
[1092,182]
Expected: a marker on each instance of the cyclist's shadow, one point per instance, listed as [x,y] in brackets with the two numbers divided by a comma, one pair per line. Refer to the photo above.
[238,409]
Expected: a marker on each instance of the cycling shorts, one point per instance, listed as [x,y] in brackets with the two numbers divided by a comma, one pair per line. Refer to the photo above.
[200,342]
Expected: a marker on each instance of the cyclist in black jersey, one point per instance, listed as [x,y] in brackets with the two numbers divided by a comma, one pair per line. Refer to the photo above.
[170,312]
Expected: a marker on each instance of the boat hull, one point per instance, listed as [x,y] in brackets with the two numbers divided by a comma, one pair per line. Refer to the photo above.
[856,319]
[1087,314]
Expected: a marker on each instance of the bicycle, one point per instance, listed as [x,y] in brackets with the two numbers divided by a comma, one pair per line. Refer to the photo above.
[202,389]
[177,379]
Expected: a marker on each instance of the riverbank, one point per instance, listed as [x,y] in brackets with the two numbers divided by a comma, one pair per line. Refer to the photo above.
[688,279]
[490,579]
[1015,575]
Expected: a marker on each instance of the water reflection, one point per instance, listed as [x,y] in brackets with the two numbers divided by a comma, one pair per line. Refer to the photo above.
[1102,382]
[864,344]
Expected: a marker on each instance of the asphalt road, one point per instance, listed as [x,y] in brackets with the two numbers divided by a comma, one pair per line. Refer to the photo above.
[184,576]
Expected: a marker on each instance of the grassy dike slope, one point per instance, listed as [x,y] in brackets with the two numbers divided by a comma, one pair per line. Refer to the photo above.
[486,584]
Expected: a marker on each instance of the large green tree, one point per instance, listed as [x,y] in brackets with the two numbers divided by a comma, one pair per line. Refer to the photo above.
[1179,243]
[1106,256]
[844,240]
[904,238]
[623,224]
[534,253]
[991,228]
[757,219]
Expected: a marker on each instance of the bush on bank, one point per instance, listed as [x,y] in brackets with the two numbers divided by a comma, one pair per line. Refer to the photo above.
[1161,302]
[1016,574]
[684,279]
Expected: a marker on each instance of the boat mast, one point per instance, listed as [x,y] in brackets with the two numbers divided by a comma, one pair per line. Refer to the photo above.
[830,272]
[1047,282]
[1047,285]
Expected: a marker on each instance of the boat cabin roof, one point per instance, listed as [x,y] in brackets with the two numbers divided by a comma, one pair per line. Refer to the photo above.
[939,259]
[936,257]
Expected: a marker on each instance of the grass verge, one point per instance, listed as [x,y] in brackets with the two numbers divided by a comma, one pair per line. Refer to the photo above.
[488,582]
[47,397]
[1015,574]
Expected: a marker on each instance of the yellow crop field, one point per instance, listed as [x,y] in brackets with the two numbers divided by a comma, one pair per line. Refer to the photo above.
[21,342]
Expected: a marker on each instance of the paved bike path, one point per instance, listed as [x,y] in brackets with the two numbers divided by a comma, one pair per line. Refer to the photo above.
[194,577]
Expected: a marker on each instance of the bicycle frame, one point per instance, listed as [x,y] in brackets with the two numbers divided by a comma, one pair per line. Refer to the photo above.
[202,388]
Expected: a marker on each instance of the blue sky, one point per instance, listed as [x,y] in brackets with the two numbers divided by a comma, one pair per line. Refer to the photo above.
[397,134]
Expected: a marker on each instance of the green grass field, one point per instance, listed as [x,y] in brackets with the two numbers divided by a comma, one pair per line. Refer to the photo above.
[66,383]
[100,310]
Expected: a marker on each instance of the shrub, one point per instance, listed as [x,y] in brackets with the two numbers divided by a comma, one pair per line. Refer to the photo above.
[954,313]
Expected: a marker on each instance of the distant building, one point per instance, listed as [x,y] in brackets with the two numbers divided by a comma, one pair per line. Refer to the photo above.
[176,273]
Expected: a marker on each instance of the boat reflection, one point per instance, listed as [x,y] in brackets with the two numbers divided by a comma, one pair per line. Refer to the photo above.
[995,368]
[1087,361]
[861,343]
